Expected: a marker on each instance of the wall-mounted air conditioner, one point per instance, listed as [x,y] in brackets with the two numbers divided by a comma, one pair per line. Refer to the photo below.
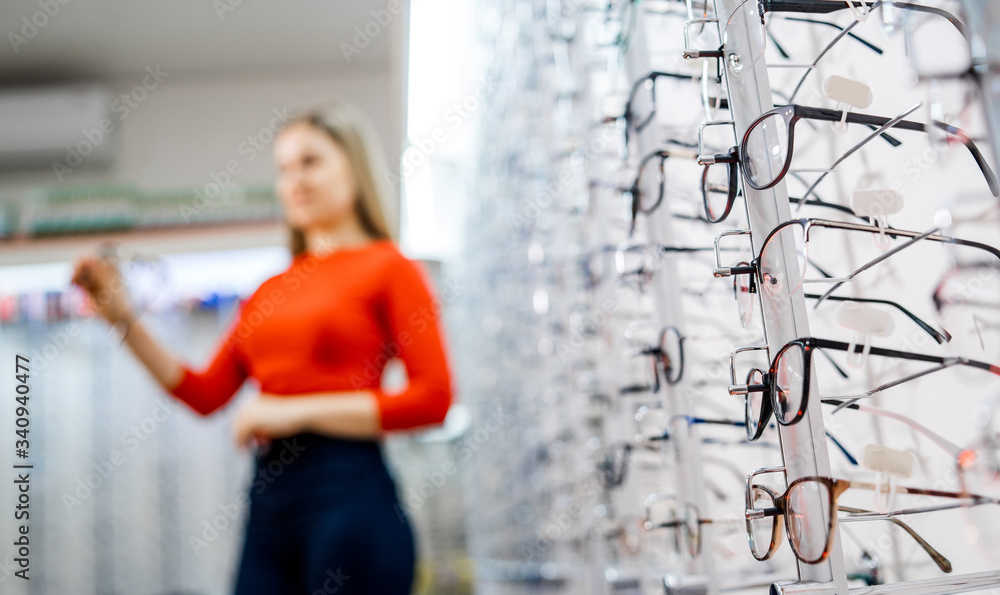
[57,128]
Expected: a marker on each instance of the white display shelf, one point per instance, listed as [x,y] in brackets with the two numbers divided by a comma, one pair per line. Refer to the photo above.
[152,241]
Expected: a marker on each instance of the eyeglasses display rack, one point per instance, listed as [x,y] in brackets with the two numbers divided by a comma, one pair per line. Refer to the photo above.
[668,311]
[614,227]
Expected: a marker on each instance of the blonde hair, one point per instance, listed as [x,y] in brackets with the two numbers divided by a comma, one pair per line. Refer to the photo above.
[352,131]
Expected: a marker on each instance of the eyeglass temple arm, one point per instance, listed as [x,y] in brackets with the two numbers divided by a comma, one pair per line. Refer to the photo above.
[938,298]
[816,202]
[975,498]
[954,450]
[920,357]
[804,6]
[701,420]
[938,336]
[984,166]
[825,114]
[826,7]
[869,120]
[777,44]
[995,252]
[928,235]
[839,370]
[884,256]
[867,44]
[850,458]
[943,563]
[846,31]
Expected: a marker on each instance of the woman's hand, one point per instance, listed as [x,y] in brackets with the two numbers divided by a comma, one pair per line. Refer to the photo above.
[268,417]
[104,285]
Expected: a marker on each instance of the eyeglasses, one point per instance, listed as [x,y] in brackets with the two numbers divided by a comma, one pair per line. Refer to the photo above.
[658,433]
[809,500]
[738,21]
[632,263]
[668,361]
[144,276]
[720,179]
[767,146]
[642,202]
[720,188]
[787,381]
[683,518]
[826,7]
[745,287]
[627,17]
[638,115]
[769,266]
[784,54]
[745,36]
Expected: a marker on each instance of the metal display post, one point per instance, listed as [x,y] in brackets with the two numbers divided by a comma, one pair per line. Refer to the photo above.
[803,445]
[685,442]
[983,18]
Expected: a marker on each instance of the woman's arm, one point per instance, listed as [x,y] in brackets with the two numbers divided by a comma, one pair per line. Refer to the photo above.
[205,390]
[412,317]
[164,367]
[339,414]
[109,299]
[354,414]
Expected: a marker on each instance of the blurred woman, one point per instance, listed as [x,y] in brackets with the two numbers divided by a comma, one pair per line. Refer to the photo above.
[324,515]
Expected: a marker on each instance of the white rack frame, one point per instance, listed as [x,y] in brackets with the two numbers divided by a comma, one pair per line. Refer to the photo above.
[803,445]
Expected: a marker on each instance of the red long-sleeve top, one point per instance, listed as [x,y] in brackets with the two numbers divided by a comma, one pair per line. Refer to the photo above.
[330,323]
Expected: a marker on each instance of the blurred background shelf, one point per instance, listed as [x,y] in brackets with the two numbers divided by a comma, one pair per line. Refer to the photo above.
[20,250]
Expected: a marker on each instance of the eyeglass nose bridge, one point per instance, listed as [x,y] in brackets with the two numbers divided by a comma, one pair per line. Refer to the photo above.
[732,360]
[720,271]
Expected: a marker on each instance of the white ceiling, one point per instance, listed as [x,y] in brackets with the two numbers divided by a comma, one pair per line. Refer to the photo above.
[88,38]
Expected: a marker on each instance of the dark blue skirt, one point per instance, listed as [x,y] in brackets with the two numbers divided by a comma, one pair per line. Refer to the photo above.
[325,518]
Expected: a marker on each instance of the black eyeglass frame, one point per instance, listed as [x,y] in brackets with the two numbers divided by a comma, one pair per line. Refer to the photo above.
[808,345]
[791,114]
